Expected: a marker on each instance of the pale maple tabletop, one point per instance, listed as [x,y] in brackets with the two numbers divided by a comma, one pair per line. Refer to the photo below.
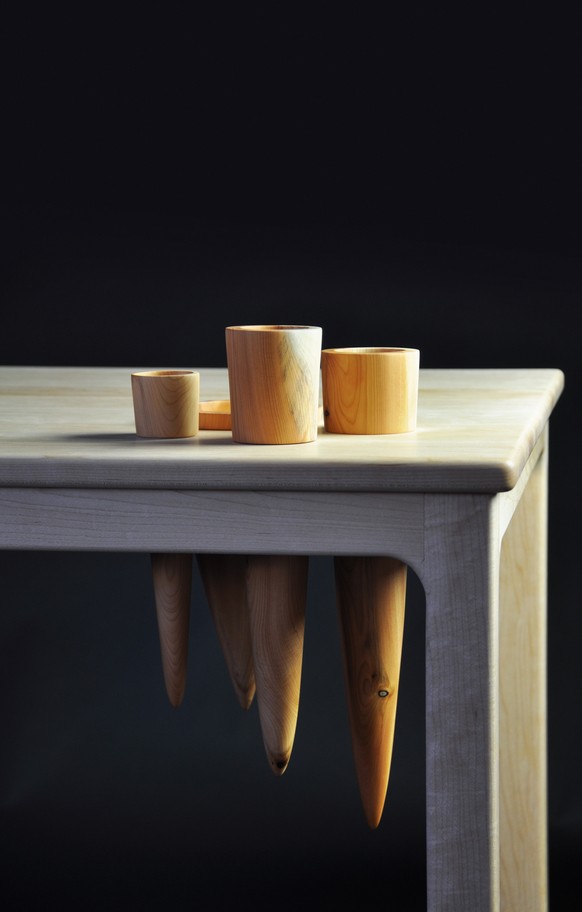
[462,500]
[75,427]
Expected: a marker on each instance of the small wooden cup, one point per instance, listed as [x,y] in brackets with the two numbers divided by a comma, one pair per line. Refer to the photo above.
[370,390]
[166,402]
[273,374]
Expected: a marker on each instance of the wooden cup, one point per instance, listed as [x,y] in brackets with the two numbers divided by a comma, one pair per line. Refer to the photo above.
[370,390]
[166,403]
[273,374]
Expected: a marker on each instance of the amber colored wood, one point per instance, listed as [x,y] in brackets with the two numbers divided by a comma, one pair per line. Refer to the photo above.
[277,592]
[214,415]
[370,390]
[224,579]
[274,380]
[371,594]
[172,578]
[166,403]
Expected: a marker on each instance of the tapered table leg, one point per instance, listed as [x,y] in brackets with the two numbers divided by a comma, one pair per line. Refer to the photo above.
[277,592]
[172,579]
[224,579]
[371,594]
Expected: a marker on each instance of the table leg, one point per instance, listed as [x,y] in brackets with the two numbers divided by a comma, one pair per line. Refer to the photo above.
[460,574]
[224,579]
[371,595]
[277,593]
[172,579]
[523,738]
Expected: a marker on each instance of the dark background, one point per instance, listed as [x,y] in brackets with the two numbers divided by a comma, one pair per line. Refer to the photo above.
[410,179]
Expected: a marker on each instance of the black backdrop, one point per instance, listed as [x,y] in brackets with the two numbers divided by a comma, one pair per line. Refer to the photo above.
[410,179]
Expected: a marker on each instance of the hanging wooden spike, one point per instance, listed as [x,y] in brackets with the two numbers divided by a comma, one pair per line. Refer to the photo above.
[224,579]
[371,594]
[172,578]
[277,594]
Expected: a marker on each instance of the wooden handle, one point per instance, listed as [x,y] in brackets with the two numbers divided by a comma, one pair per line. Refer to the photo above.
[277,592]
[224,579]
[172,578]
[273,375]
[371,594]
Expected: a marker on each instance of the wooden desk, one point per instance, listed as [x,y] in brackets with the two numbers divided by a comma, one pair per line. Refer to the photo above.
[462,500]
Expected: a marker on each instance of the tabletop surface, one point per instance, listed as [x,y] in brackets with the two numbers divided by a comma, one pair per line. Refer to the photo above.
[74,427]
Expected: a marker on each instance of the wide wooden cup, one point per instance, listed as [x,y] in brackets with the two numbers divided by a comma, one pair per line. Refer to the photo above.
[274,380]
[166,403]
[370,390]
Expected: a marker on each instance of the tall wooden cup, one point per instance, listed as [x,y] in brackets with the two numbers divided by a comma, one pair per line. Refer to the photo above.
[273,375]
[371,391]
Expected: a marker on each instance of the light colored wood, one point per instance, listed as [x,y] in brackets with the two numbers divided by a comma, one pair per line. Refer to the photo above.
[172,578]
[225,584]
[371,595]
[165,403]
[274,380]
[370,390]
[215,415]
[213,521]
[460,574]
[523,723]
[74,427]
[277,593]
[74,476]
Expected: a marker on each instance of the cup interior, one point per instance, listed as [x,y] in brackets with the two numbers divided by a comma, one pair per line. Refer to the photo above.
[366,351]
[262,327]
[163,373]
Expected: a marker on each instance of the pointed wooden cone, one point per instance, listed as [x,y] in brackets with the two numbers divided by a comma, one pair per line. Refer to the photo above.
[172,577]
[277,593]
[224,579]
[371,594]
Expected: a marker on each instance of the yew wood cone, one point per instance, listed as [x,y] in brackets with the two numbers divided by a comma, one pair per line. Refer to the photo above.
[172,578]
[371,594]
[224,579]
[277,593]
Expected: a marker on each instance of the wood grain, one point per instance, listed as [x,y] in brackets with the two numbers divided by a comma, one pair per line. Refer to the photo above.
[277,592]
[165,403]
[273,374]
[74,428]
[460,574]
[214,415]
[371,595]
[523,712]
[370,390]
[172,578]
[225,584]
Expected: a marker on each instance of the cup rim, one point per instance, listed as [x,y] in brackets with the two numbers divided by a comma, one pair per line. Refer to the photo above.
[270,327]
[370,350]
[166,373]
